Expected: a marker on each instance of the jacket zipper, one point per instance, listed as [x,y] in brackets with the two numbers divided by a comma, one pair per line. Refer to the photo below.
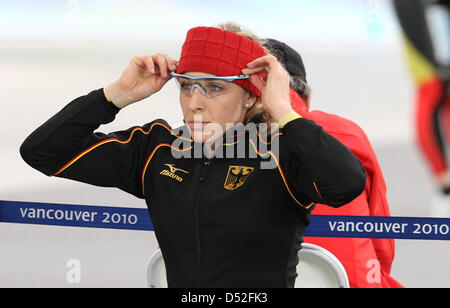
[202,180]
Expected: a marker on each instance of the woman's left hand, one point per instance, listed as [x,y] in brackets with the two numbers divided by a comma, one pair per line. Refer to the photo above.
[275,90]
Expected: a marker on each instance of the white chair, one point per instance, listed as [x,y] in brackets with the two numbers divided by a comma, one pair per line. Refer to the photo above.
[156,271]
[317,268]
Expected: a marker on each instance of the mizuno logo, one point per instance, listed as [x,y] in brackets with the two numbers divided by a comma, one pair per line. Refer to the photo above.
[171,172]
[173,169]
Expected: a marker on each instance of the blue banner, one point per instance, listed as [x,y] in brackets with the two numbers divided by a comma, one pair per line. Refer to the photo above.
[75,215]
[138,219]
[417,228]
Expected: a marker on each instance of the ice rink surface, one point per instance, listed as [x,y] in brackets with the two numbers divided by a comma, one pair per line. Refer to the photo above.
[367,83]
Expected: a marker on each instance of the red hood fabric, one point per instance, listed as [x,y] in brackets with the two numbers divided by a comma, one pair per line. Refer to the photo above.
[359,256]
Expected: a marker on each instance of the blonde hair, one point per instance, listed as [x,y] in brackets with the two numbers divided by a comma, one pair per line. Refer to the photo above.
[257,110]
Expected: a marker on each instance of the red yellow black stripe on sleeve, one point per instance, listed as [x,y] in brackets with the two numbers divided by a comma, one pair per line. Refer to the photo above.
[91,148]
[282,175]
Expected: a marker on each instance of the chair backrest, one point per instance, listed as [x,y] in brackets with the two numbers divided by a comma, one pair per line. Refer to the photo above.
[156,271]
[317,268]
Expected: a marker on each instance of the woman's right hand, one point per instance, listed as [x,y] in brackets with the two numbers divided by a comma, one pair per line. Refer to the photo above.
[144,76]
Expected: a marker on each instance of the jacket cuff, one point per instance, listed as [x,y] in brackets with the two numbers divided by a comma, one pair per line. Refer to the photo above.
[109,106]
[288,118]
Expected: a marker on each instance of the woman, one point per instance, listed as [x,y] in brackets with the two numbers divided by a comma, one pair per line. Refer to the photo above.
[220,222]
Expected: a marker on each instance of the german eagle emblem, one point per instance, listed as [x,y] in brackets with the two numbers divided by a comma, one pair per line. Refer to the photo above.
[236,176]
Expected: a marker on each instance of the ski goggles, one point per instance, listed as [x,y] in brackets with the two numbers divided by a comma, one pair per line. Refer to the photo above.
[209,86]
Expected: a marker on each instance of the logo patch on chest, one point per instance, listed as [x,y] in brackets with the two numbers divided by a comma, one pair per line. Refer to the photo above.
[236,176]
[171,172]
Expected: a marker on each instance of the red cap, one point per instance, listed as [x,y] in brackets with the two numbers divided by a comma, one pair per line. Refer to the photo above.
[219,52]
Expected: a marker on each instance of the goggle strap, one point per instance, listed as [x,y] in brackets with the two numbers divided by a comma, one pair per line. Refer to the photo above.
[226,78]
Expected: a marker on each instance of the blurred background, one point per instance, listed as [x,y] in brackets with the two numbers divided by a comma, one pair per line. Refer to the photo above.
[54,51]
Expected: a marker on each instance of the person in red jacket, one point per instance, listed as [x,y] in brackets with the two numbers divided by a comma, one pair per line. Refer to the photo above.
[367,261]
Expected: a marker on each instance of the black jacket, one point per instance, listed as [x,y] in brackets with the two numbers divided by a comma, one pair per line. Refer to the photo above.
[220,222]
